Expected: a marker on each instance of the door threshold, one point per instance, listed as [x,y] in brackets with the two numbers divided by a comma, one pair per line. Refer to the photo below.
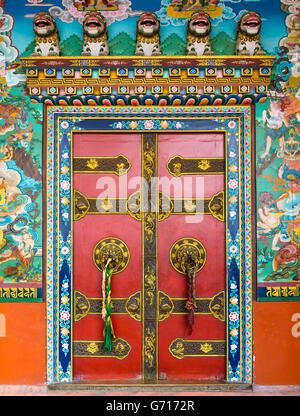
[138,385]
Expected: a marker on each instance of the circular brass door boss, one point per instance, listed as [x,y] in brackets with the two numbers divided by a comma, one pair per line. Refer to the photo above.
[114,249]
[187,253]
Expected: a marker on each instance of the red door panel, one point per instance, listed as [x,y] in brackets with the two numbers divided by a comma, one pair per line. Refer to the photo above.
[210,280]
[87,232]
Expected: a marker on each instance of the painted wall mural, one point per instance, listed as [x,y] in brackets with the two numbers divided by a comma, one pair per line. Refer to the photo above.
[277,124]
[20,198]
[121,17]
[278,171]
[20,179]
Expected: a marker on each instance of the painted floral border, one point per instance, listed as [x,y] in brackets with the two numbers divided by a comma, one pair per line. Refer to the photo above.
[62,121]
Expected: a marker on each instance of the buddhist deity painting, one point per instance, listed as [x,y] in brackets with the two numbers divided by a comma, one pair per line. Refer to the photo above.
[278,215]
[20,190]
[87,5]
[278,170]
[21,179]
[185,8]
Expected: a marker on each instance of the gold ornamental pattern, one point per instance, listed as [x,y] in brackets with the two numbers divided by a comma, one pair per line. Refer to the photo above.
[132,306]
[118,165]
[167,206]
[81,205]
[181,348]
[178,166]
[216,206]
[92,348]
[217,306]
[114,248]
[81,306]
[150,285]
[149,161]
[150,226]
[184,248]
[150,347]
[149,218]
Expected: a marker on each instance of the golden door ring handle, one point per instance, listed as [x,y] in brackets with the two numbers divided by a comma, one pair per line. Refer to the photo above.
[187,253]
[111,248]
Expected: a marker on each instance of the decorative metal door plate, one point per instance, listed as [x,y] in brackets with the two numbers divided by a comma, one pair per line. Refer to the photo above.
[114,248]
[84,348]
[167,306]
[186,248]
[179,165]
[119,165]
[167,206]
[182,348]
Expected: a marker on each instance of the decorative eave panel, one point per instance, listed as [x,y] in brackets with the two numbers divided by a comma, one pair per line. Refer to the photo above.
[163,80]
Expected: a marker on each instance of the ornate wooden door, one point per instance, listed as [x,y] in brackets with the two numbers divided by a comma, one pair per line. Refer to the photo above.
[156,202]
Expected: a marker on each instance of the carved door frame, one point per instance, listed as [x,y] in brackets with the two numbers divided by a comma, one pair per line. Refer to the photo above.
[236,123]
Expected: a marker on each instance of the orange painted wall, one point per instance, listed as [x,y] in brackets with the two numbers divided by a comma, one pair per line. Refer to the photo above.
[22,343]
[276,333]
[276,343]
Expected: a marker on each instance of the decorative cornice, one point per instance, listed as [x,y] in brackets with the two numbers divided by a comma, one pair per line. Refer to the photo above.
[165,61]
[135,80]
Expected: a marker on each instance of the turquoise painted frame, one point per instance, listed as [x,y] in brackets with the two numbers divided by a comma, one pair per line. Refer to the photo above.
[235,122]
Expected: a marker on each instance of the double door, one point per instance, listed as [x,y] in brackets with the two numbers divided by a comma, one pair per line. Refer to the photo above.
[153,204]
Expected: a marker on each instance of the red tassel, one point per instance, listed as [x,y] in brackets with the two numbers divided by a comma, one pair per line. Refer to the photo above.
[190,306]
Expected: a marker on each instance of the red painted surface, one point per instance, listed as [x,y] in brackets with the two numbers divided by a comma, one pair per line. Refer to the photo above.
[210,280]
[87,278]
[276,343]
[23,348]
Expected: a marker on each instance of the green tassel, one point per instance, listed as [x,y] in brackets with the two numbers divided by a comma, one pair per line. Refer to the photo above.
[108,328]
[108,337]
